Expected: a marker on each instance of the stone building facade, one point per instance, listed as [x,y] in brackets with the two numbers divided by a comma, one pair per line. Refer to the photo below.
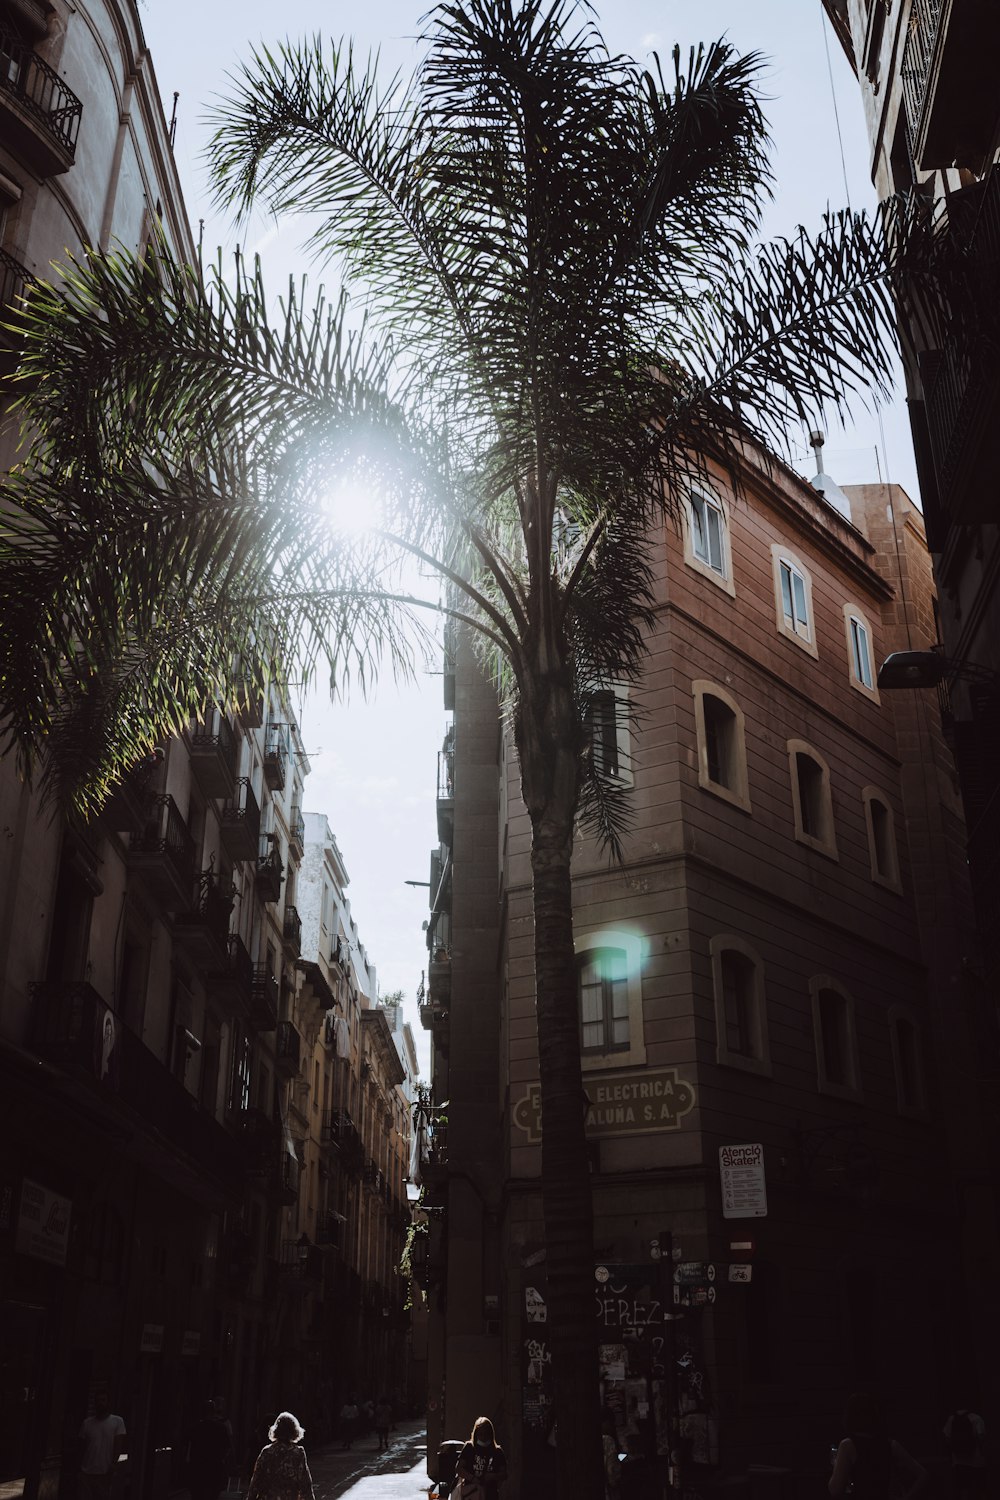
[771,1044]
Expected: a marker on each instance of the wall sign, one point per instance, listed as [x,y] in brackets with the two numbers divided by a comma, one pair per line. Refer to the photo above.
[744,1190]
[630,1102]
[43,1224]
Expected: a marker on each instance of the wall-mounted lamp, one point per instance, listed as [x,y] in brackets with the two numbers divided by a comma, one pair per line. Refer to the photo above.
[924,669]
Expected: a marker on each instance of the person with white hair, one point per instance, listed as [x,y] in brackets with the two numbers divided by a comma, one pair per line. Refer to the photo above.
[282,1471]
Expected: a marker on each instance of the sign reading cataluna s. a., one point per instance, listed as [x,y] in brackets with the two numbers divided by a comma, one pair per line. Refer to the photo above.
[629,1102]
[744,1191]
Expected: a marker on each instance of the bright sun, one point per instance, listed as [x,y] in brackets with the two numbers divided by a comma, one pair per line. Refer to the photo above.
[351,508]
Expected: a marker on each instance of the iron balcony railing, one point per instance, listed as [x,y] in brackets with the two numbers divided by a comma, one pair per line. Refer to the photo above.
[14,280]
[925,17]
[297,829]
[287,1048]
[166,833]
[242,812]
[39,90]
[264,994]
[276,756]
[293,929]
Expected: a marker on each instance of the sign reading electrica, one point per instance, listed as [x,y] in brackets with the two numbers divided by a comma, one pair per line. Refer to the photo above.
[626,1103]
[744,1191]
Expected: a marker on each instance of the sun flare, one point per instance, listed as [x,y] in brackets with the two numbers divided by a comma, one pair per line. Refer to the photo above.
[351,508]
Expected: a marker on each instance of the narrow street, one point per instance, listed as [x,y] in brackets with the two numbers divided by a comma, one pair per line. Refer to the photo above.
[364,1473]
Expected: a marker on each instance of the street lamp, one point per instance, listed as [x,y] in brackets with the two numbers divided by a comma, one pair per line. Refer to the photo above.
[923,669]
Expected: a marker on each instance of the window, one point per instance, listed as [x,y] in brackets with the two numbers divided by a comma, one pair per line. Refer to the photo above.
[837,1068]
[609,982]
[707,533]
[740,1008]
[706,538]
[608,727]
[907,1061]
[812,804]
[860,653]
[242,1070]
[722,756]
[793,599]
[603,986]
[881,828]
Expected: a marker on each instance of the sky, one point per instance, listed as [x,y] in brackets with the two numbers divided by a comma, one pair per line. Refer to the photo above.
[373,765]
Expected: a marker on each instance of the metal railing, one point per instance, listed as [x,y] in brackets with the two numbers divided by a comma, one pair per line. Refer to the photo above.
[39,90]
[288,1046]
[293,928]
[14,279]
[243,809]
[166,833]
[297,828]
[925,17]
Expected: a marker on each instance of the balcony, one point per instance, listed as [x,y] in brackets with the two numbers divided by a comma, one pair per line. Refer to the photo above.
[301,1258]
[285,1181]
[202,931]
[212,747]
[77,1032]
[239,822]
[264,994]
[270,869]
[39,115]
[439,977]
[962,383]
[446,792]
[328,1231]
[125,809]
[15,280]
[297,832]
[292,932]
[162,855]
[232,982]
[949,94]
[287,1050]
[276,756]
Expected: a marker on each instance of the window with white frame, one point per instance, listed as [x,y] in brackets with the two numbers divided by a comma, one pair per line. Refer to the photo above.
[812,803]
[740,1005]
[706,537]
[907,1059]
[860,652]
[793,598]
[722,755]
[608,728]
[609,989]
[881,828]
[837,1065]
[602,978]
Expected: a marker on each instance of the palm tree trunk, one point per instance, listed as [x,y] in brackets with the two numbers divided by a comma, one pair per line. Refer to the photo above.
[550,778]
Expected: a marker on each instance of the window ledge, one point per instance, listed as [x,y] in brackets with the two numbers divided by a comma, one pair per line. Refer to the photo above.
[758,1065]
[724,794]
[820,845]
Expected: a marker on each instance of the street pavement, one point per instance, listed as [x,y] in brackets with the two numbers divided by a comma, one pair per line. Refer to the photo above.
[365,1474]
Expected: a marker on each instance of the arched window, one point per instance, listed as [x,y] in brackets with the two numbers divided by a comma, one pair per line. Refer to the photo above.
[722,755]
[706,538]
[609,992]
[602,979]
[881,828]
[837,1066]
[793,598]
[740,1006]
[607,719]
[860,652]
[812,803]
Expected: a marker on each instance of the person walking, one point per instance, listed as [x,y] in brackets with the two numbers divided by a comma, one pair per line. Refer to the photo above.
[383,1421]
[482,1463]
[102,1442]
[282,1471]
[209,1455]
[965,1435]
[868,1461]
[348,1419]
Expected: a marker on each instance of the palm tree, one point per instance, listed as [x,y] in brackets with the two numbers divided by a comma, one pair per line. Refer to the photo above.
[564,318]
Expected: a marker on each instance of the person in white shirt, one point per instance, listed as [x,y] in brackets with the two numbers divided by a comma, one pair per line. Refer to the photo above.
[102,1442]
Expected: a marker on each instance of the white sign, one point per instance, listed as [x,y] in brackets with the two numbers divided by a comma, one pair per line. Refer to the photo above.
[534,1305]
[42,1224]
[740,1273]
[744,1191]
